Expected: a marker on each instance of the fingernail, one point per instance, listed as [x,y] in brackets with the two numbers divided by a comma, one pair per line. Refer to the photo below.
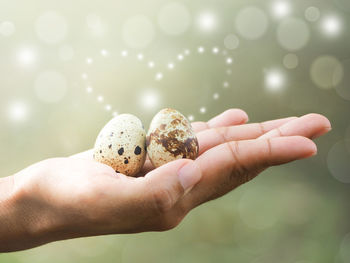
[189,175]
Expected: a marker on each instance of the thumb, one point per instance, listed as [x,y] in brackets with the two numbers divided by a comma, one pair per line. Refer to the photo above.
[168,183]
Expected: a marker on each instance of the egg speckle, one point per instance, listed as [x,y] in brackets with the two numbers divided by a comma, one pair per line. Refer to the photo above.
[121,145]
[170,137]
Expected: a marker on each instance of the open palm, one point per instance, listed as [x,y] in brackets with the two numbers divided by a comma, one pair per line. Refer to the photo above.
[77,196]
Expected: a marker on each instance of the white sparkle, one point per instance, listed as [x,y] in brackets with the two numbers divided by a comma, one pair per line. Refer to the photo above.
[140,56]
[226,84]
[171,66]
[124,53]
[151,64]
[100,99]
[206,21]
[149,99]
[84,76]
[108,107]
[17,111]
[281,8]
[201,50]
[26,56]
[159,76]
[190,117]
[331,25]
[274,80]
[203,110]
[187,52]
[89,89]
[216,96]
[115,113]
[216,50]
[229,61]
[180,57]
[89,61]
[104,52]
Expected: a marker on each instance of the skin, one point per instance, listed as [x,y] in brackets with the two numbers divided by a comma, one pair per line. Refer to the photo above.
[71,197]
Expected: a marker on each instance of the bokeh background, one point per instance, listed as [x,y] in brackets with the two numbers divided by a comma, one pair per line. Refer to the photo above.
[67,67]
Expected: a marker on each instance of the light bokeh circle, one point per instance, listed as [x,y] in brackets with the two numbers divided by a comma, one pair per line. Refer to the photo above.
[343,70]
[338,161]
[326,72]
[138,32]
[231,41]
[51,27]
[66,53]
[312,14]
[251,23]
[174,18]
[293,34]
[7,28]
[291,61]
[50,86]
[96,25]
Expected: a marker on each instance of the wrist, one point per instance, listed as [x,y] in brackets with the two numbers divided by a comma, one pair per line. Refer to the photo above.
[26,221]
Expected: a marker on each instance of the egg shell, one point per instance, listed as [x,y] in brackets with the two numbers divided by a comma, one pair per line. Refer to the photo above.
[170,137]
[121,144]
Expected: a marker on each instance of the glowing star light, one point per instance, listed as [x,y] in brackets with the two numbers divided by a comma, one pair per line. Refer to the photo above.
[26,56]
[159,76]
[171,66]
[140,56]
[17,111]
[201,50]
[108,107]
[100,99]
[149,99]
[216,50]
[281,8]
[331,26]
[206,21]
[104,52]
[274,80]
[89,89]
[229,61]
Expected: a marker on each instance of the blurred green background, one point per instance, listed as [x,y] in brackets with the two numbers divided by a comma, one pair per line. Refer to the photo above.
[68,66]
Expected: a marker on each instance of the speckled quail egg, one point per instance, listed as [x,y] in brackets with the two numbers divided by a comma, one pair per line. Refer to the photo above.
[121,144]
[170,137]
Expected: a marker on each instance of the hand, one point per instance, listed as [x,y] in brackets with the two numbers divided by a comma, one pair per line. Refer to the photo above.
[76,196]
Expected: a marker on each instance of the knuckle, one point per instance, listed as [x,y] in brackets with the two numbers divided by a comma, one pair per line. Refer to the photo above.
[162,201]
[239,166]
[262,128]
[240,172]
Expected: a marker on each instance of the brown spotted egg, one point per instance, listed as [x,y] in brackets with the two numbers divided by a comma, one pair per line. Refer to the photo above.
[170,137]
[121,144]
